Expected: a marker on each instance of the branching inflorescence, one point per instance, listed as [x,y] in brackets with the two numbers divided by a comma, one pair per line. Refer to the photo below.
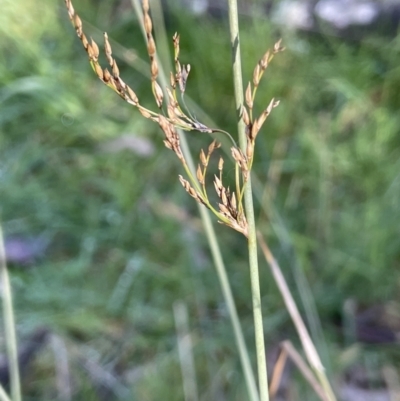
[230,209]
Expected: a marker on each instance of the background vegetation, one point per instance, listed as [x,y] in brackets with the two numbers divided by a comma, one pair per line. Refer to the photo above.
[120,240]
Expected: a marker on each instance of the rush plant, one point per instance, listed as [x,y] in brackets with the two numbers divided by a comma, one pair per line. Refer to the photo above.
[234,207]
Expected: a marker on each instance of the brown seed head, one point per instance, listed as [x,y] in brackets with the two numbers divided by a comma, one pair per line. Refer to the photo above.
[224,198]
[250,149]
[95,49]
[203,158]
[107,46]
[265,60]
[115,69]
[233,201]
[145,5]
[249,97]
[144,112]
[254,130]
[172,80]
[148,26]
[256,75]
[213,145]
[70,8]
[266,113]
[218,184]
[224,210]
[151,47]
[154,69]
[171,113]
[132,95]
[90,52]
[175,39]
[236,154]
[84,41]
[199,174]
[245,116]
[106,76]
[158,93]
[98,70]
[167,144]
[78,24]
[220,164]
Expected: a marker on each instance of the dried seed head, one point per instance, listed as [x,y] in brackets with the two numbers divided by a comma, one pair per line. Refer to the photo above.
[245,116]
[132,95]
[200,175]
[98,70]
[148,26]
[84,41]
[224,210]
[265,60]
[175,40]
[95,50]
[145,6]
[115,69]
[254,130]
[213,145]
[90,52]
[260,121]
[78,24]
[106,75]
[171,97]
[220,164]
[190,190]
[249,96]
[151,47]
[167,144]
[70,8]
[107,46]
[239,158]
[236,154]
[172,80]
[171,113]
[203,158]
[250,149]
[121,86]
[154,69]
[158,93]
[256,75]
[183,76]
[224,198]
[144,112]
[233,201]
[218,184]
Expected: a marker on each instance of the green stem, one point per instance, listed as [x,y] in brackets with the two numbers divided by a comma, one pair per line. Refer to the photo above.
[248,197]
[9,325]
[3,395]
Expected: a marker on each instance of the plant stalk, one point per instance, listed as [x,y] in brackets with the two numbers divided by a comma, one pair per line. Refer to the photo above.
[9,325]
[248,199]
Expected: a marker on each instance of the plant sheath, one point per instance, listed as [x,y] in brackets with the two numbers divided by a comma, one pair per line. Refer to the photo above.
[9,325]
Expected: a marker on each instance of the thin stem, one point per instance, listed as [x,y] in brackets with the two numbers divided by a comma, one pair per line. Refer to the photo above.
[217,258]
[3,395]
[248,197]
[9,325]
[308,346]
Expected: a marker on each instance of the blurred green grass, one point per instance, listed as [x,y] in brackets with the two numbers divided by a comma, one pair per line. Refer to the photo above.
[334,141]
